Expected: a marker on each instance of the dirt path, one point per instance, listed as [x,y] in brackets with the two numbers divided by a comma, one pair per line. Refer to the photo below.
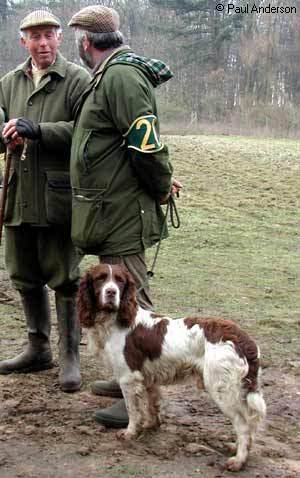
[45,433]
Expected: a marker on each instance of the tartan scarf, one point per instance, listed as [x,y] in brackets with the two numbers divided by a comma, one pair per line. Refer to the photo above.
[157,70]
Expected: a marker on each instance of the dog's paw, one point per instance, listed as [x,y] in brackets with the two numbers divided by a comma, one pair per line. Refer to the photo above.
[152,424]
[125,434]
[231,446]
[233,464]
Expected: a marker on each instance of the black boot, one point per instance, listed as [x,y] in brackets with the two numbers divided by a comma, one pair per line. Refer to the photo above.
[115,416]
[37,354]
[69,339]
[107,388]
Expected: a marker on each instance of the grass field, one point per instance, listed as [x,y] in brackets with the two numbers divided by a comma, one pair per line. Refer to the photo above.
[237,252]
[237,255]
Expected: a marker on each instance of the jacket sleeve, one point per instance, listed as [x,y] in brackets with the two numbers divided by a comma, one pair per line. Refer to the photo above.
[56,136]
[131,103]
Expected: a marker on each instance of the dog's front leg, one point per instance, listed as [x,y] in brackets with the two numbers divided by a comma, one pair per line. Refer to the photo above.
[152,419]
[134,393]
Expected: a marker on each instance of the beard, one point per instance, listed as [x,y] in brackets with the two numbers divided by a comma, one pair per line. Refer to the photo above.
[85,58]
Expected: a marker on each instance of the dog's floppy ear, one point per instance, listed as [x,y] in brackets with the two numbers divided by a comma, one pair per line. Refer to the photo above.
[86,301]
[128,304]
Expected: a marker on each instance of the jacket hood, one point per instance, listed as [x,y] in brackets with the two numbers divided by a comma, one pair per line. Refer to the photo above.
[156,70]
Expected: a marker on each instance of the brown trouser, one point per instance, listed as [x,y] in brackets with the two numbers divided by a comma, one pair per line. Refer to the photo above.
[136,265]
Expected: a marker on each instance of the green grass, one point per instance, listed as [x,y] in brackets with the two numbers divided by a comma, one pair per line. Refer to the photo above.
[237,253]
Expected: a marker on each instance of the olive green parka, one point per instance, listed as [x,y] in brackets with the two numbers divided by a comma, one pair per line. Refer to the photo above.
[39,186]
[117,189]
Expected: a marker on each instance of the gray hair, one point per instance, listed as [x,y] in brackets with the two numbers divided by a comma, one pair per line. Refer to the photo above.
[24,33]
[100,41]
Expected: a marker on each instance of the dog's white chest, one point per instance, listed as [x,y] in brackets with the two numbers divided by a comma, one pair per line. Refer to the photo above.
[114,349]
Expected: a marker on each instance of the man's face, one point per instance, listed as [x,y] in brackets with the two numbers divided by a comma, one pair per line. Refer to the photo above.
[42,43]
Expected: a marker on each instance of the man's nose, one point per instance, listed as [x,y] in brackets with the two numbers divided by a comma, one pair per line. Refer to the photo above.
[43,41]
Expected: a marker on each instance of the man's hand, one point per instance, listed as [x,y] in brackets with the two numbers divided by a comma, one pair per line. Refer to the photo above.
[20,128]
[176,187]
[13,143]
[27,128]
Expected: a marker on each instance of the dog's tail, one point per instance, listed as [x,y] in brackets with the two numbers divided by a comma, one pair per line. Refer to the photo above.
[256,404]
[256,412]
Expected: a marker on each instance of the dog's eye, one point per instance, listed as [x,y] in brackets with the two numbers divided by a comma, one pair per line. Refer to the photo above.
[119,279]
[101,278]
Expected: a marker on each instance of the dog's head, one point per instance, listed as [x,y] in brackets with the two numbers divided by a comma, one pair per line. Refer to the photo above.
[109,289]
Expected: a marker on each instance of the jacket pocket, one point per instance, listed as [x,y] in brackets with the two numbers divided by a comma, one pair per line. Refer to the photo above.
[89,226]
[80,149]
[58,197]
[154,226]
[11,196]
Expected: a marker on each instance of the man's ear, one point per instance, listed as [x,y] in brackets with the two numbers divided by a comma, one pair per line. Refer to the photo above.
[23,42]
[85,43]
[60,38]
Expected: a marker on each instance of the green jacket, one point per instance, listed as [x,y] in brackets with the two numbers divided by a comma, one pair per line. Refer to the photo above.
[39,186]
[116,188]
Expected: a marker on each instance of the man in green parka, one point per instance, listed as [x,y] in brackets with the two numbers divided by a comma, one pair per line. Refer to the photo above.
[120,169]
[40,99]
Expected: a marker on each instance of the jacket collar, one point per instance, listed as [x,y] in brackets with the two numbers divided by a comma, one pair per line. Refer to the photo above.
[101,67]
[59,66]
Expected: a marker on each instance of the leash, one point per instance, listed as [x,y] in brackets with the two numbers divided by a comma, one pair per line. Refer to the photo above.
[175,222]
[8,162]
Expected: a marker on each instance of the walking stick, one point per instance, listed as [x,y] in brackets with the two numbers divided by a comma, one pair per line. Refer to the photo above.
[7,159]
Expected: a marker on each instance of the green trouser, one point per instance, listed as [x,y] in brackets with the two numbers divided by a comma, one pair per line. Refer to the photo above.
[36,256]
[136,265]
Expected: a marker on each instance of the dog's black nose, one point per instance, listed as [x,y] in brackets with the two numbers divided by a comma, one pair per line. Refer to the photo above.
[110,293]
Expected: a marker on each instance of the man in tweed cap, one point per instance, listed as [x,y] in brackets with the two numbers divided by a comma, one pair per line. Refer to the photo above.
[39,99]
[120,169]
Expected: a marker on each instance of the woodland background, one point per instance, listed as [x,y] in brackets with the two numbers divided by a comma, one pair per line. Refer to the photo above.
[233,73]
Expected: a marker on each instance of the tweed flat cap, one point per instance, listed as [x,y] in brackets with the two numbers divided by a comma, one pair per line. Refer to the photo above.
[96,19]
[39,18]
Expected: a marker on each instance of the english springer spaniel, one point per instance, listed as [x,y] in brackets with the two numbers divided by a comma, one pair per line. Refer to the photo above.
[147,350]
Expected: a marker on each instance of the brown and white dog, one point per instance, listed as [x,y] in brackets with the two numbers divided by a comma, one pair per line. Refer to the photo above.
[146,350]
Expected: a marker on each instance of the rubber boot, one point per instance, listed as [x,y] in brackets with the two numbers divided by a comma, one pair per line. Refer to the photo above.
[37,354]
[69,339]
[107,388]
[115,416]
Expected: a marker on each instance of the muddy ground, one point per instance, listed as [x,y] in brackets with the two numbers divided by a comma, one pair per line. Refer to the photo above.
[45,433]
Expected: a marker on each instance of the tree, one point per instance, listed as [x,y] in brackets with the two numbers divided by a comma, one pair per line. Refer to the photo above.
[205,31]
[3,10]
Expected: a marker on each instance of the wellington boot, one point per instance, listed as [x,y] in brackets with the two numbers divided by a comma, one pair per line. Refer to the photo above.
[115,416]
[107,388]
[69,339]
[37,354]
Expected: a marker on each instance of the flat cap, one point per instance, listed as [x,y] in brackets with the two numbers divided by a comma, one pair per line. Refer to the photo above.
[39,18]
[96,19]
